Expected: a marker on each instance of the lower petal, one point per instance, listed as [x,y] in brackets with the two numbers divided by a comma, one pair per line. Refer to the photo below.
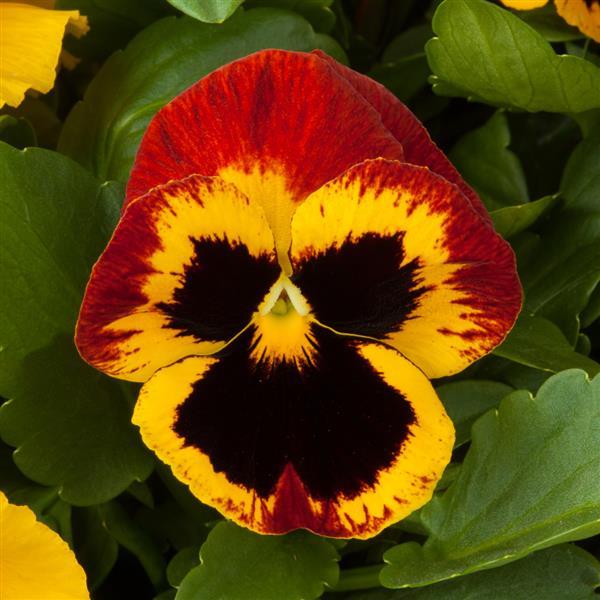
[335,435]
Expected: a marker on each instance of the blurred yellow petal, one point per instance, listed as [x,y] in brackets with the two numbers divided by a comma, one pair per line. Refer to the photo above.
[35,563]
[524,4]
[30,45]
[585,15]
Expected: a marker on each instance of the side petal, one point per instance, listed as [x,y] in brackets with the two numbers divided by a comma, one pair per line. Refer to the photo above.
[36,563]
[342,439]
[188,265]
[395,252]
[583,14]
[30,46]
[419,149]
[276,124]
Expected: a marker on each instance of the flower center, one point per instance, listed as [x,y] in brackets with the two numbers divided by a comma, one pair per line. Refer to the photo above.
[282,307]
[282,298]
[283,326]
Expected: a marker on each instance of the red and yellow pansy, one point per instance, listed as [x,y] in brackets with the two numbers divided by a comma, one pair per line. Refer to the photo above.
[295,260]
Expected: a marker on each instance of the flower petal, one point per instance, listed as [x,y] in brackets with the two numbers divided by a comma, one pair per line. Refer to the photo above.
[276,124]
[395,252]
[584,15]
[36,563]
[524,4]
[188,265]
[419,149]
[30,46]
[335,435]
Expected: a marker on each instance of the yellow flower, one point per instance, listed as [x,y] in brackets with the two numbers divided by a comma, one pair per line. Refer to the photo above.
[583,14]
[35,563]
[30,45]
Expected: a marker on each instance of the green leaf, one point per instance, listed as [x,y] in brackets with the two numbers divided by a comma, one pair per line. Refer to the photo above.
[182,520]
[483,158]
[465,401]
[317,12]
[104,130]
[181,564]
[238,564]
[131,536]
[58,420]
[560,268]
[95,548]
[207,11]
[521,377]
[17,132]
[409,42]
[510,220]
[58,518]
[581,179]
[529,481]
[537,342]
[112,24]
[54,220]
[142,493]
[404,69]
[403,77]
[543,142]
[332,47]
[500,60]
[19,489]
[592,310]
[558,573]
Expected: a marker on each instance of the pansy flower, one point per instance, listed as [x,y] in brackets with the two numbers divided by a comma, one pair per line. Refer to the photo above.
[295,260]
[30,46]
[583,14]
[35,563]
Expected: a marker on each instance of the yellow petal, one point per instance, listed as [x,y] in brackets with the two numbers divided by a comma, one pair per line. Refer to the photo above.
[35,563]
[30,44]
[583,15]
[187,267]
[524,4]
[394,252]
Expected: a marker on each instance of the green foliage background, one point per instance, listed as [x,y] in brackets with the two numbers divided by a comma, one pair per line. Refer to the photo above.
[514,98]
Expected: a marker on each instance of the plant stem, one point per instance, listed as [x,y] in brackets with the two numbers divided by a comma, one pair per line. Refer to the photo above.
[361,578]
[585,47]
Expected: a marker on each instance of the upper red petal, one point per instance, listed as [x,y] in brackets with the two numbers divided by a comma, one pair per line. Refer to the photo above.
[275,110]
[419,149]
